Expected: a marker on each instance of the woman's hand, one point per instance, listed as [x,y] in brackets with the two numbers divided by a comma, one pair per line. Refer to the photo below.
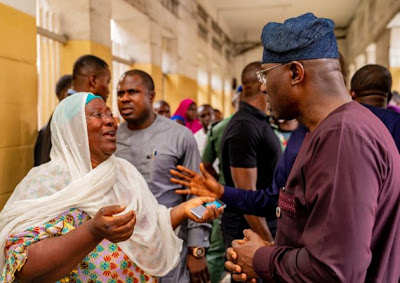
[199,185]
[182,211]
[209,214]
[114,228]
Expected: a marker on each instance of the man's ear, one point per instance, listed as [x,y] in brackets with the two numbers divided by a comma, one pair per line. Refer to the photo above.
[92,81]
[297,72]
[152,95]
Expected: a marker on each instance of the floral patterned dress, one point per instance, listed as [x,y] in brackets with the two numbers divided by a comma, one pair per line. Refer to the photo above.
[106,263]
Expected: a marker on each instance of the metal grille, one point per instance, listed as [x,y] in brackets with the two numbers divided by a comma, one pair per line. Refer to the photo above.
[48,62]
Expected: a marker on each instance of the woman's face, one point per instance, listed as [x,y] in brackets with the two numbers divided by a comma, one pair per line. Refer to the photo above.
[191,113]
[102,129]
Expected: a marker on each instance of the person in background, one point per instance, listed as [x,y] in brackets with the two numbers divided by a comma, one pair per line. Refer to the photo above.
[188,110]
[217,116]
[91,74]
[371,85]
[205,114]
[211,157]
[250,151]
[178,119]
[162,108]
[62,86]
[283,129]
[394,102]
[154,145]
[43,141]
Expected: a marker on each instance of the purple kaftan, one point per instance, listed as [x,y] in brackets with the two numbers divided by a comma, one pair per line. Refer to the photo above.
[340,211]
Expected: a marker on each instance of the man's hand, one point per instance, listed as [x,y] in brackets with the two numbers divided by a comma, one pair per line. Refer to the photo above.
[114,228]
[198,269]
[240,256]
[199,185]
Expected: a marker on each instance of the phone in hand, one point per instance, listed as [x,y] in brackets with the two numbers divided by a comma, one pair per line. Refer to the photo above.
[198,211]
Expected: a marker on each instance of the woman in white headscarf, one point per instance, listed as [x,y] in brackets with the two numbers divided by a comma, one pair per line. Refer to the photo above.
[64,218]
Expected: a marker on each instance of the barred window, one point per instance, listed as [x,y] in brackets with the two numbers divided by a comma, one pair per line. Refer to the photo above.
[49,42]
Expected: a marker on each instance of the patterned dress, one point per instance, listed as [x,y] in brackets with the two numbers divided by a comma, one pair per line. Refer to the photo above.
[106,263]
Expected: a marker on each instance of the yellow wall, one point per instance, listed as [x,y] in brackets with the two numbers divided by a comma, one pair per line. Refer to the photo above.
[228,108]
[18,97]
[177,88]
[395,71]
[217,100]
[203,94]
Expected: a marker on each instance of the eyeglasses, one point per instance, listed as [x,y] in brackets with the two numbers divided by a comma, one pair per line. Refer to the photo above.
[262,75]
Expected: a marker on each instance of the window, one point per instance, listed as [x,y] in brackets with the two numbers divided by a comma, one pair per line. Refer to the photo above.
[49,41]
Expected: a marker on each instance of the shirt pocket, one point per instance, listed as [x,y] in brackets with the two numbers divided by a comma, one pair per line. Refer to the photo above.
[286,213]
[155,166]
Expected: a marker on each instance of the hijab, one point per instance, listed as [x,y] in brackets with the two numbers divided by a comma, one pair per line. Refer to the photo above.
[69,181]
[194,125]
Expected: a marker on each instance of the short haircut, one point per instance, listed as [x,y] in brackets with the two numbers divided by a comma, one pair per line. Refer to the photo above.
[205,106]
[249,77]
[371,78]
[252,67]
[147,80]
[63,83]
[88,64]
[160,102]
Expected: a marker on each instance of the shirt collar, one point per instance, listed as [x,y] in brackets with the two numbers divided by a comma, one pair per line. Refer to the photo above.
[253,110]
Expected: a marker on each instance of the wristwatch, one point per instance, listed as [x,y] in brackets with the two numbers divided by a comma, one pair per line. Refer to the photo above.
[198,252]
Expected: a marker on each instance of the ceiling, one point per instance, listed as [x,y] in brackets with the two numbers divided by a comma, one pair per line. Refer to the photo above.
[245,19]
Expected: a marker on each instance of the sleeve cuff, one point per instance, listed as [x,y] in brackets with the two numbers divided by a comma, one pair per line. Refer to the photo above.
[199,237]
[262,263]
[231,195]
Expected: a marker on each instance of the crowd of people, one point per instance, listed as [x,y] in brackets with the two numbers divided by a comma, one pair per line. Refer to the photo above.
[309,170]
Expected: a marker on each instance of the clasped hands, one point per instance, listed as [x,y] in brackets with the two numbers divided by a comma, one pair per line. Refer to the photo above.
[240,256]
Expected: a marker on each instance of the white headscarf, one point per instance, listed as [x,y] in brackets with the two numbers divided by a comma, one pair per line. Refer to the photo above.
[68,181]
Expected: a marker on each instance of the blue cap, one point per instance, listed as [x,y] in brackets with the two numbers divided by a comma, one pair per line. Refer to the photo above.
[302,38]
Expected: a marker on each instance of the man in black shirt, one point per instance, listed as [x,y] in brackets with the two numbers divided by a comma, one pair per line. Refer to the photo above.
[250,152]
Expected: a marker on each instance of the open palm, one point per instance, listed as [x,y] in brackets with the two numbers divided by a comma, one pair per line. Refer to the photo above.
[200,185]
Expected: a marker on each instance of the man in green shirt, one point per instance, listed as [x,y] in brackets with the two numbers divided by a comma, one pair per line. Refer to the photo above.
[212,154]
